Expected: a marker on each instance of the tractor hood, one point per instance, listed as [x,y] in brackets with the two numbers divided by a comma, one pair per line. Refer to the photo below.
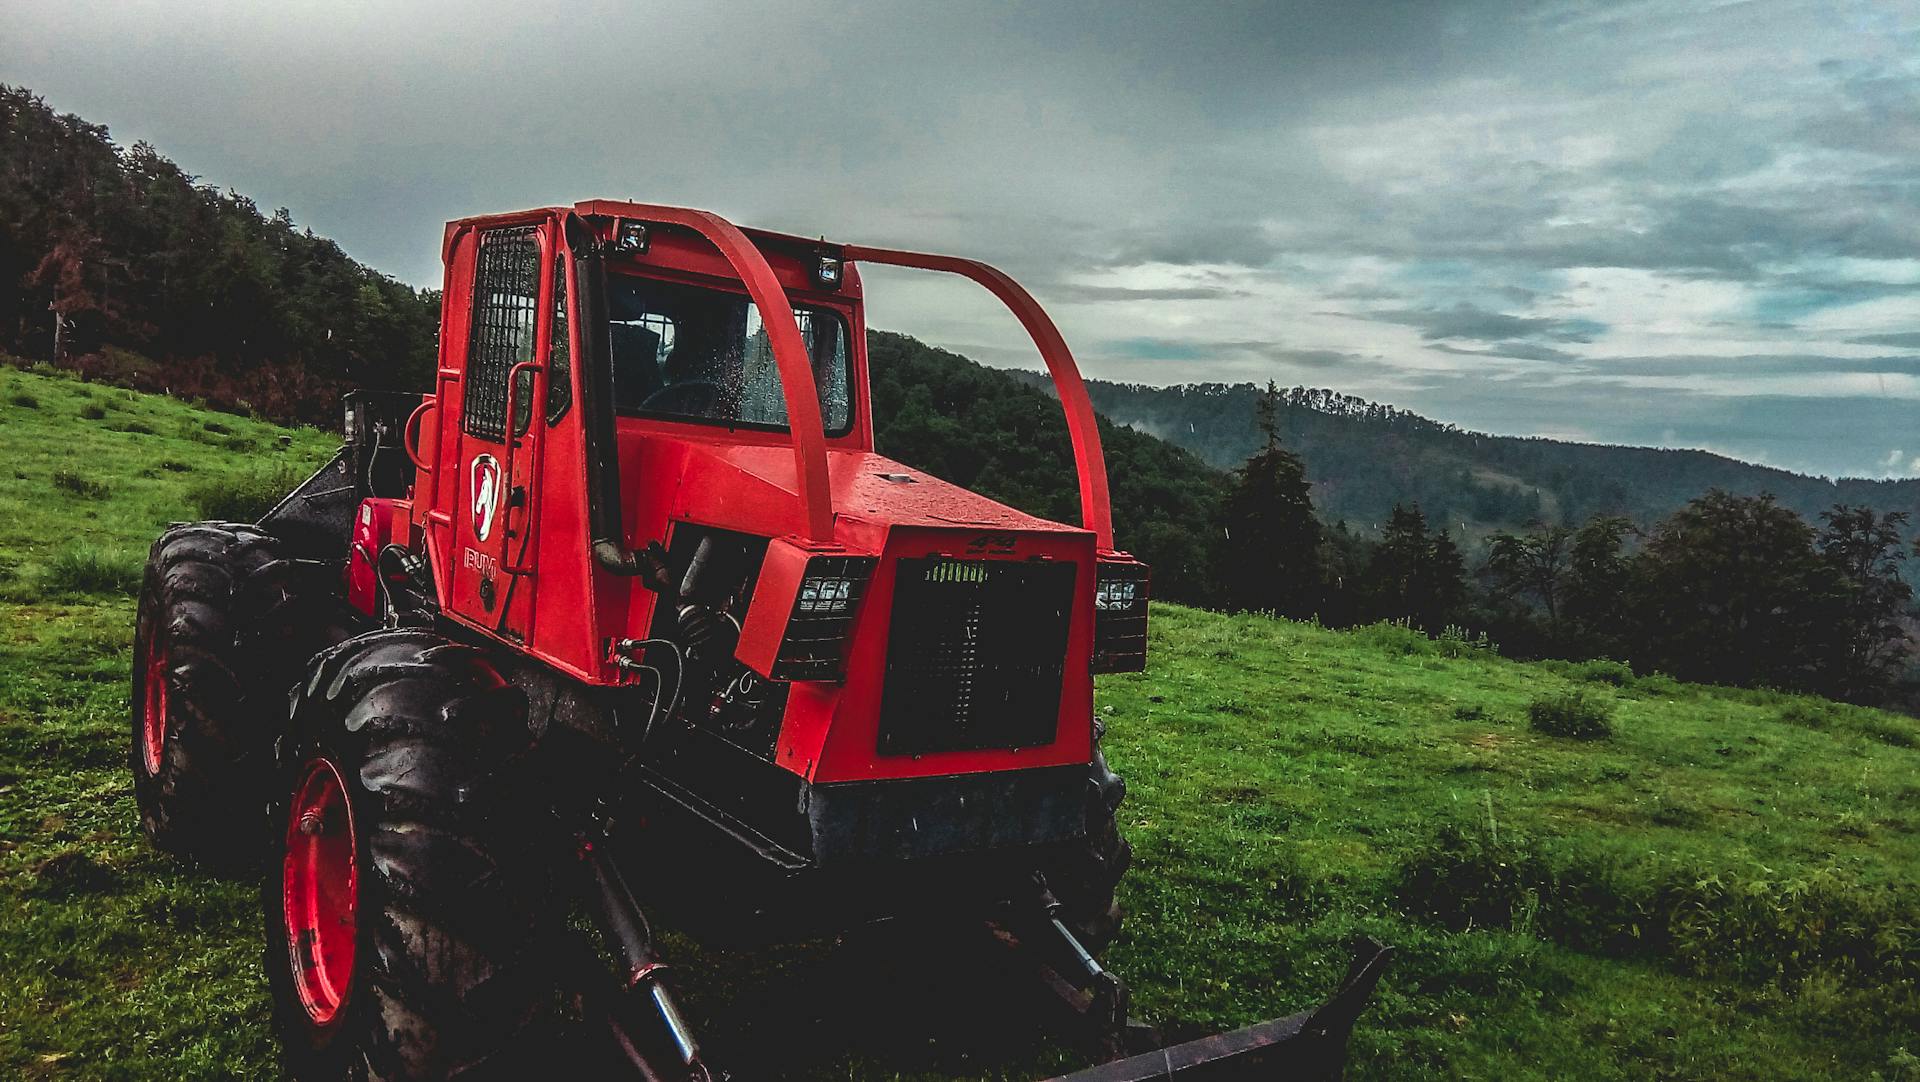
[753,488]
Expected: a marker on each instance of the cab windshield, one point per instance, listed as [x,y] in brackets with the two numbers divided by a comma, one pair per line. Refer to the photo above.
[695,354]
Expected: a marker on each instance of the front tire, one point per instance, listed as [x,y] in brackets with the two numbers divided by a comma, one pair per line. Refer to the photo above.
[226,624]
[405,914]
[1087,879]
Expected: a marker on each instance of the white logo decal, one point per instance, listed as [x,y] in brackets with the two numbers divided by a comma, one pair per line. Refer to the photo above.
[484,477]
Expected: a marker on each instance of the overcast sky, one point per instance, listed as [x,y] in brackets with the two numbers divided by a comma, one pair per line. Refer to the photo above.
[1682,223]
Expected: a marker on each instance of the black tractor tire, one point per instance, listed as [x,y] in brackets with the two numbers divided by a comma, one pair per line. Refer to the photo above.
[1085,880]
[450,975]
[226,625]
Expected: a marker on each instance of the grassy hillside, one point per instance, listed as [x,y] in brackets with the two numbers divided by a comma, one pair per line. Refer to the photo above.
[1726,887]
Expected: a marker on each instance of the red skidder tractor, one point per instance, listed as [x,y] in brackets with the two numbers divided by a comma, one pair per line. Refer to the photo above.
[629,608]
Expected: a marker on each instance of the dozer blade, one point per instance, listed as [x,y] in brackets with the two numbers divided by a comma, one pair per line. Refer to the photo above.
[1308,1045]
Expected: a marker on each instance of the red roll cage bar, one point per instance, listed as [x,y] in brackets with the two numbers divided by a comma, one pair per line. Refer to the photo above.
[796,373]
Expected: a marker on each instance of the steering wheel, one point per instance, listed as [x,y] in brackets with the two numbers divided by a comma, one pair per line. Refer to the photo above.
[709,391]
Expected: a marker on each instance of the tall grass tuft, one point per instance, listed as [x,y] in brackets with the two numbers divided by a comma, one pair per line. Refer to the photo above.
[1572,714]
[80,485]
[88,570]
[243,497]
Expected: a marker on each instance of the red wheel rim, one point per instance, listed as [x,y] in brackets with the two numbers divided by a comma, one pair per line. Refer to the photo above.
[320,885]
[153,716]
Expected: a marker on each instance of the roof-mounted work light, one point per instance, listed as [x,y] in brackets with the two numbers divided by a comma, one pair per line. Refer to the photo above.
[630,237]
[826,271]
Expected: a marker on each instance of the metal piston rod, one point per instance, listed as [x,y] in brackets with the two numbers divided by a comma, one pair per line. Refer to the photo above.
[1109,996]
[627,931]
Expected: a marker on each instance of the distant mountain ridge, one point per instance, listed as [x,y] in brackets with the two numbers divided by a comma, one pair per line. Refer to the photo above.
[1363,457]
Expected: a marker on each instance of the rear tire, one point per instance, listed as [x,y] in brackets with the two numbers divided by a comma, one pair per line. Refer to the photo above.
[435,965]
[226,624]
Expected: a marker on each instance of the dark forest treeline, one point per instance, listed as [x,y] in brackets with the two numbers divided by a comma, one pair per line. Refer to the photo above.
[1729,589]
[113,256]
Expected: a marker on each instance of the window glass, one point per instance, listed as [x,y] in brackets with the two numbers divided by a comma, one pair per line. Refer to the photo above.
[560,354]
[703,354]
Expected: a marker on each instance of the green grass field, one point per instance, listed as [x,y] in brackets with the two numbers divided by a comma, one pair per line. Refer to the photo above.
[1726,887]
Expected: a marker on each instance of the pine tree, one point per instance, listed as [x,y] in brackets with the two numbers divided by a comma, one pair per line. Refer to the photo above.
[1271,556]
[1442,592]
[1416,575]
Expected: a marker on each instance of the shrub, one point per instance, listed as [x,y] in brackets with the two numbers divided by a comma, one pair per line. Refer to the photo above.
[243,498]
[1571,714]
[1603,671]
[1395,637]
[1808,713]
[84,487]
[93,411]
[87,570]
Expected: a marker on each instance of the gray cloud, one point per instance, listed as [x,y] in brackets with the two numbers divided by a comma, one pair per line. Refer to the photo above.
[1896,339]
[1525,351]
[1465,320]
[1073,292]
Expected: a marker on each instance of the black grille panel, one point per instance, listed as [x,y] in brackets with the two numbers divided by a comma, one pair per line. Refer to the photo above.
[976,654]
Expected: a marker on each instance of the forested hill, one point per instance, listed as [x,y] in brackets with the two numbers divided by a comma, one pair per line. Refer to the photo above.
[1363,458]
[164,283]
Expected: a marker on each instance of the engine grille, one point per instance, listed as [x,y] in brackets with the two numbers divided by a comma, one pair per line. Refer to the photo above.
[976,654]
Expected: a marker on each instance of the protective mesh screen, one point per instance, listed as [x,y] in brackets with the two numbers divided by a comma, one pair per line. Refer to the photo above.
[506,295]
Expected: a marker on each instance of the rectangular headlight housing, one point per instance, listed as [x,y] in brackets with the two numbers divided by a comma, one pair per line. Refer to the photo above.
[815,640]
[1120,616]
